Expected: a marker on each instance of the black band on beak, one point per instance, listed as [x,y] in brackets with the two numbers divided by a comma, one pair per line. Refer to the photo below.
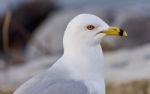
[121,32]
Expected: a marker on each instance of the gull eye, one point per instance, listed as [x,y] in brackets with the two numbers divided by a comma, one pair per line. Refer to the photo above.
[90,27]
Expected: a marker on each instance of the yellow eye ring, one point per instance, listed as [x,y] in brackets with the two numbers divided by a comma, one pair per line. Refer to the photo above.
[90,27]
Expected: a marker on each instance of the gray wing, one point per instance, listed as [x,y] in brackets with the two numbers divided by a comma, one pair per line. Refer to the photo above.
[66,87]
[44,85]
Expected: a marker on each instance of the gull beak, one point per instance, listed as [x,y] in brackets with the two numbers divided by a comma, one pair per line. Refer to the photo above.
[114,31]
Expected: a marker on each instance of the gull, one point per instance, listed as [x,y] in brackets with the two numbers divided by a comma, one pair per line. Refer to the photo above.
[80,70]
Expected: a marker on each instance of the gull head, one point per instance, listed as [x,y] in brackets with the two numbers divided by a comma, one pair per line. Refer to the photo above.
[88,30]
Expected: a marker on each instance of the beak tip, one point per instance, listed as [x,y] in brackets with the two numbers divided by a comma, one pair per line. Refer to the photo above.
[125,34]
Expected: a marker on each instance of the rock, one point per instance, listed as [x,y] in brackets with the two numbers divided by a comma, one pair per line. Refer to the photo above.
[127,71]
[130,87]
[128,64]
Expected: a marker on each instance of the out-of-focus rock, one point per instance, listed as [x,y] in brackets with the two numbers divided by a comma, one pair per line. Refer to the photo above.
[132,64]
[24,19]
[32,13]
[127,71]
[26,15]
[130,87]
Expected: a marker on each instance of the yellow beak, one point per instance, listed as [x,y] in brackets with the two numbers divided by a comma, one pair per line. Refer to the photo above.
[114,31]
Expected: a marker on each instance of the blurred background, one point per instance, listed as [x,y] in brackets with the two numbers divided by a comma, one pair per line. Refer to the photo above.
[31,33]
